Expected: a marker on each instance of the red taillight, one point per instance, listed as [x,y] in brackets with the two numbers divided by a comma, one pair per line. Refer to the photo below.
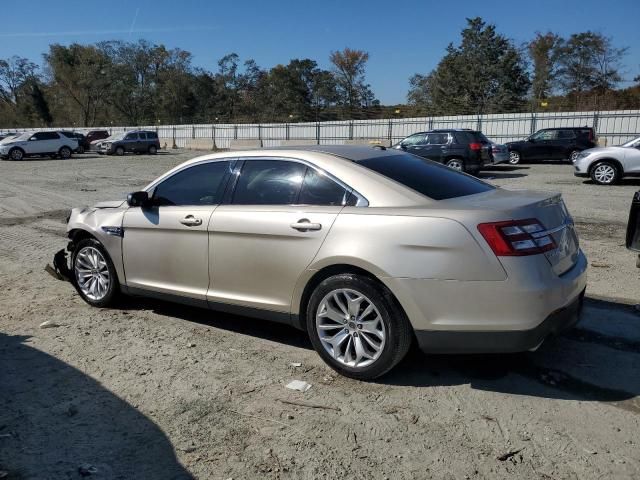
[475,146]
[517,237]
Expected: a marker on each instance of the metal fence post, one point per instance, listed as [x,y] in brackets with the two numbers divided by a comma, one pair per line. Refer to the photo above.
[174,138]
[351,130]
[479,123]
[193,131]
[596,117]
[235,131]
[260,132]
[213,137]
[286,131]
[317,133]
[430,123]
[532,128]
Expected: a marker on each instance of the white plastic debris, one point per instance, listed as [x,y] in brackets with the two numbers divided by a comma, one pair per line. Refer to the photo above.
[298,385]
[49,324]
[296,364]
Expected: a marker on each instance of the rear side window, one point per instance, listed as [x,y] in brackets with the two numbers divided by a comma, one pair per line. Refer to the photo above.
[318,189]
[429,178]
[269,182]
[131,136]
[198,185]
[416,139]
[142,135]
[566,134]
[437,138]
[152,135]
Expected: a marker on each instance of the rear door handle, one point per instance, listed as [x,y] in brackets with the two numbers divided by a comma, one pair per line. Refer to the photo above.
[191,221]
[304,225]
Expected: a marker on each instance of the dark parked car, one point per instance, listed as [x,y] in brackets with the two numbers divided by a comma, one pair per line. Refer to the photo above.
[93,135]
[460,149]
[633,227]
[137,141]
[552,144]
[83,144]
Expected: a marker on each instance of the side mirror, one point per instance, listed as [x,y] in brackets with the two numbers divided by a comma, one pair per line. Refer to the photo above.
[138,199]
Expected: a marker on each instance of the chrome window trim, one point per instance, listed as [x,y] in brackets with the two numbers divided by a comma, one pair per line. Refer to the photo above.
[361,200]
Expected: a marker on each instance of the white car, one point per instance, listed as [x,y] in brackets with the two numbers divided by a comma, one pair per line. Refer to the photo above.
[607,165]
[31,144]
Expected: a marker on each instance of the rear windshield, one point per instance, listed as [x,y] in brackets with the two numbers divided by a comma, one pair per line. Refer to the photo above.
[429,178]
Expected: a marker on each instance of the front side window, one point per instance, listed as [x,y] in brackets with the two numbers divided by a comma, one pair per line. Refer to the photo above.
[131,136]
[142,135]
[198,185]
[417,139]
[566,134]
[45,136]
[269,182]
[319,189]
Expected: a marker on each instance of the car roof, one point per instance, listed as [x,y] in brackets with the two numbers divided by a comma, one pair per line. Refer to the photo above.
[566,128]
[354,153]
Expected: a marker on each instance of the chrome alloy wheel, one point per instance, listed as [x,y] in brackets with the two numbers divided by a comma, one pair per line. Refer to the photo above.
[92,273]
[514,158]
[604,173]
[350,328]
[455,164]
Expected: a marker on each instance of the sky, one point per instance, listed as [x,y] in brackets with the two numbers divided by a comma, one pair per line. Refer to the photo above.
[402,37]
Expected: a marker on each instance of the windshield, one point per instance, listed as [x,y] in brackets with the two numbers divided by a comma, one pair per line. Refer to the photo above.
[16,137]
[429,178]
[635,143]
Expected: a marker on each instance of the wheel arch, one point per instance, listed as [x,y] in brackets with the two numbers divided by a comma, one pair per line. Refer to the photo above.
[328,271]
[613,161]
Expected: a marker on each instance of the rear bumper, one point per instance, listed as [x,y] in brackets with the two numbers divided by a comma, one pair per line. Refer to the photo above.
[434,341]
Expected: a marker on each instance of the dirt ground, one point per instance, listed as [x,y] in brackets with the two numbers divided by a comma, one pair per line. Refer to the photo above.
[159,391]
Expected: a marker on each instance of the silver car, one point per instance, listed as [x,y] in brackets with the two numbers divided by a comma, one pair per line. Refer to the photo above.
[607,165]
[365,249]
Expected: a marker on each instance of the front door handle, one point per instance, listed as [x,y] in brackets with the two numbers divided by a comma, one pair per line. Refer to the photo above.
[303,225]
[191,221]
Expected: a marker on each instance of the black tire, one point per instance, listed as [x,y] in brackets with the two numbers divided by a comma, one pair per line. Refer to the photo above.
[457,164]
[152,150]
[64,152]
[605,173]
[113,291]
[398,330]
[16,154]
[119,151]
[514,157]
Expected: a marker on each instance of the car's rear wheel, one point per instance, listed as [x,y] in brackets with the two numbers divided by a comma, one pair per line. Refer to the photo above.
[119,151]
[514,157]
[64,152]
[357,327]
[152,150]
[456,164]
[605,173]
[16,154]
[95,276]
[573,155]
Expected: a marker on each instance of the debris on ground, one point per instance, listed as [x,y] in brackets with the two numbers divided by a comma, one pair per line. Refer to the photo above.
[309,405]
[298,385]
[49,324]
[506,456]
[296,364]
[86,470]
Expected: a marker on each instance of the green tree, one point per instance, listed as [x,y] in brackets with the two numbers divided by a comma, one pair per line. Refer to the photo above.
[544,51]
[485,73]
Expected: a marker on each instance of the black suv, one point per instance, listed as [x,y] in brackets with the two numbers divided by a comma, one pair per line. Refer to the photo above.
[552,144]
[138,141]
[460,149]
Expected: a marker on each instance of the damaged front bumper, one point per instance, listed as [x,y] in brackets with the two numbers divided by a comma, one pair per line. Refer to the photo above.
[60,269]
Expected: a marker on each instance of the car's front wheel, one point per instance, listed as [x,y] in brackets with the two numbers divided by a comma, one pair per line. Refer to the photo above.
[119,151]
[16,154]
[94,274]
[605,173]
[514,157]
[357,327]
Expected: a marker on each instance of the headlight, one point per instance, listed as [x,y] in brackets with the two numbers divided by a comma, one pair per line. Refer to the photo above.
[581,155]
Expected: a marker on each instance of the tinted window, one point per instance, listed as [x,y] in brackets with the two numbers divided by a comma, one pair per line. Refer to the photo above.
[152,135]
[269,182]
[46,136]
[566,134]
[142,135]
[198,185]
[428,178]
[545,135]
[131,136]
[69,134]
[438,138]
[318,189]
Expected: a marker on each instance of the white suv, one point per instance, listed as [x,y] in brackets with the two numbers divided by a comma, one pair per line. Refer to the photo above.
[38,144]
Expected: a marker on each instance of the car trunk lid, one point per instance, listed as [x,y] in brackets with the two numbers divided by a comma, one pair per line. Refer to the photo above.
[548,208]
